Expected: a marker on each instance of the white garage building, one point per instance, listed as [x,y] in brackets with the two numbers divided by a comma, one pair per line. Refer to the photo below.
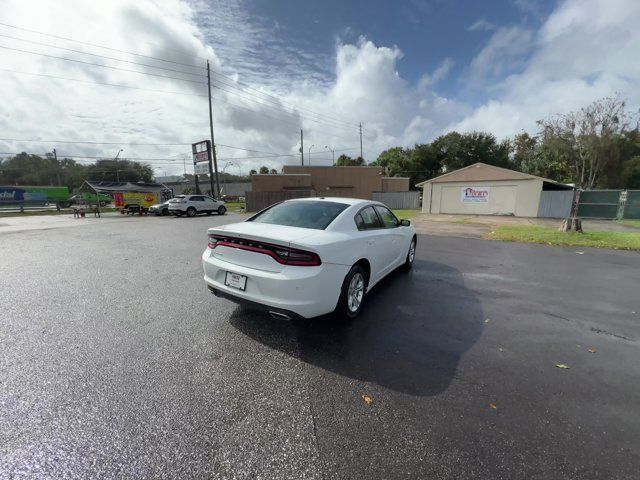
[483,189]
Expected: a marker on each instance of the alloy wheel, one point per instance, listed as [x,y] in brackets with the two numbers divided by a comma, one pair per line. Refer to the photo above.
[355,293]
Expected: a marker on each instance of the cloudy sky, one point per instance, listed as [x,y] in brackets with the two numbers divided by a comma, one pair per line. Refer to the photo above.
[91,78]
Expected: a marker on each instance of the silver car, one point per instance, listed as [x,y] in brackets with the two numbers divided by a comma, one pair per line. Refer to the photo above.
[160,208]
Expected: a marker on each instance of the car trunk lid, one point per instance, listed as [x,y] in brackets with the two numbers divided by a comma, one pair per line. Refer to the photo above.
[252,237]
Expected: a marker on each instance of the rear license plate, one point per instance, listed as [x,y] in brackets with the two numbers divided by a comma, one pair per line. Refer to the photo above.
[235,280]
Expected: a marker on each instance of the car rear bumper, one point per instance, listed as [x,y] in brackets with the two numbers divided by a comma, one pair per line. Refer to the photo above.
[273,311]
[302,291]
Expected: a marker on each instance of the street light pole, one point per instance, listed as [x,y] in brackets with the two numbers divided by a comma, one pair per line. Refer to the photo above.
[309,155]
[116,160]
[333,155]
[223,171]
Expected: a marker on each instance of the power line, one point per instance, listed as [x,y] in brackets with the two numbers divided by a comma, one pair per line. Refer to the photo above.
[287,122]
[101,65]
[284,103]
[158,75]
[316,120]
[100,83]
[331,118]
[101,46]
[129,143]
[164,160]
[102,56]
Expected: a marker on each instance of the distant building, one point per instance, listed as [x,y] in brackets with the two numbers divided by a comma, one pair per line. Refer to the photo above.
[178,184]
[356,182]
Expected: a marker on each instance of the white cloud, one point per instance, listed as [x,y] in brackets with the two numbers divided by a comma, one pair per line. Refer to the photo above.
[528,6]
[440,73]
[481,25]
[585,50]
[503,53]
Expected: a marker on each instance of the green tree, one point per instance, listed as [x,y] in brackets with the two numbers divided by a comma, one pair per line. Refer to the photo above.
[631,174]
[346,161]
[525,151]
[273,171]
[456,150]
[392,159]
[252,172]
[590,141]
[264,170]
[26,169]
[122,170]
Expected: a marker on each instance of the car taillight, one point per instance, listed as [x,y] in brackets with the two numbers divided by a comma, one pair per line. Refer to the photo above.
[213,239]
[283,255]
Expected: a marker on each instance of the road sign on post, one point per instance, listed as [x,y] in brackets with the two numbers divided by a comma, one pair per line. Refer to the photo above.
[201,153]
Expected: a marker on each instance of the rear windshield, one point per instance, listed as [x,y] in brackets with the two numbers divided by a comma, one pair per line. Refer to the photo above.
[309,214]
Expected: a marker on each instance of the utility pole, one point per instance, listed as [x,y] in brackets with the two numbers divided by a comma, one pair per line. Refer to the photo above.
[215,192]
[301,149]
[361,141]
[116,160]
[55,156]
[195,179]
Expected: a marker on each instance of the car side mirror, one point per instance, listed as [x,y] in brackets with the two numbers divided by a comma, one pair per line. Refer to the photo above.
[405,223]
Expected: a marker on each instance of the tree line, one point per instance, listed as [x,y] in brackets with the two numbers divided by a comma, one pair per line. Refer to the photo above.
[595,147]
[27,169]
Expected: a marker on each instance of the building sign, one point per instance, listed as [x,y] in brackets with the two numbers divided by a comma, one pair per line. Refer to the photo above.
[201,151]
[201,168]
[475,194]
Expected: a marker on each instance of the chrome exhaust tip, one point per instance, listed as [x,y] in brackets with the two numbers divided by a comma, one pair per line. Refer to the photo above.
[279,316]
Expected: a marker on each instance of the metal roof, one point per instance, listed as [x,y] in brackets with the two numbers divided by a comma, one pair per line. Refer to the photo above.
[127,187]
[482,172]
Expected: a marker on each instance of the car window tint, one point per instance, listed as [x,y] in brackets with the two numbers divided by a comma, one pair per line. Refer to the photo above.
[359,222]
[370,218]
[196,199]
[304,214]
[389,220]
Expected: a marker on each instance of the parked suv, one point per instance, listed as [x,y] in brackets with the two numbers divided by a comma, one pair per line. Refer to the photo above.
[192,205]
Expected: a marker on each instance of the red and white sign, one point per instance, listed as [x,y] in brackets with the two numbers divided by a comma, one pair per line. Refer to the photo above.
[201,157]
[475,194]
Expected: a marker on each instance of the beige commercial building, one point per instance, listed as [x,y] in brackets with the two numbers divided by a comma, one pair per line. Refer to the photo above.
[356,182]
[488,190]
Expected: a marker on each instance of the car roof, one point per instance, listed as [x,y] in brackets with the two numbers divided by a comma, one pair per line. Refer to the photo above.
[344,200]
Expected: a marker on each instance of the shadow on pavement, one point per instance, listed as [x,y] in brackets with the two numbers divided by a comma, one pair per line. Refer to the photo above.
[410,337]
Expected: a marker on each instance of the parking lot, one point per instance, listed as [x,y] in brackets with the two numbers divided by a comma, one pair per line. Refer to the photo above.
[117,362]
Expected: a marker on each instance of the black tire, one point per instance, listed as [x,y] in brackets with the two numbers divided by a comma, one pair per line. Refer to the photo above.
[165,211]
[222,210]
[345,308]
[191,212]
[103,203]
[411,254]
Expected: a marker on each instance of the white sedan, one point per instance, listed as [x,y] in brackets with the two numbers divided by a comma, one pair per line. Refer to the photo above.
[308,257]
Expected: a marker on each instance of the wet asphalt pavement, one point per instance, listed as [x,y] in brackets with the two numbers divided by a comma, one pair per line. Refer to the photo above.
[116,362]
